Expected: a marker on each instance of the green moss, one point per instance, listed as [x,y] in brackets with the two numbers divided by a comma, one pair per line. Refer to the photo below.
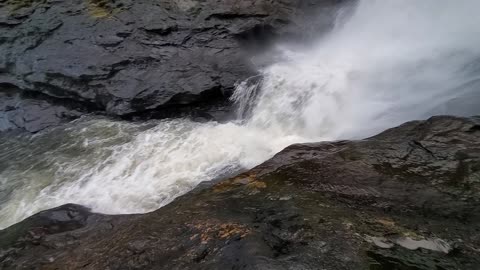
[18,4]
[103,8]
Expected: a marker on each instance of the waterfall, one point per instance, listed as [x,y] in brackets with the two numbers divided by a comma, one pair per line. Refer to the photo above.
[384,63]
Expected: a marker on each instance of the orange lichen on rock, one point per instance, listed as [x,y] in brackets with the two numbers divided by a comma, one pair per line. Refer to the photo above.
[257,185]
[249,181]
[386,222]
[229,230]
[215,230]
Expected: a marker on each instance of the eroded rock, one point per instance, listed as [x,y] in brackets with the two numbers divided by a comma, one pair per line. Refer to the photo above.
[129,58]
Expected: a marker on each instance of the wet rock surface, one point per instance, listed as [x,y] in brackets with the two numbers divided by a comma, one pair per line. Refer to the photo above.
[408,198]
[129,58]
[34,111]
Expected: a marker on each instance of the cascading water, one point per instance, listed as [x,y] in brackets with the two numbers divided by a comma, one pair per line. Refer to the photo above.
[388,62]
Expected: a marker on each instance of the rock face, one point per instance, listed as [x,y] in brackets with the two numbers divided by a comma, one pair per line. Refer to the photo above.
[128,57]
[34,111]
[408,198]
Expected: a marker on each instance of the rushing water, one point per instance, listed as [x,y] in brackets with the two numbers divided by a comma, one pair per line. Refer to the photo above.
[384,63]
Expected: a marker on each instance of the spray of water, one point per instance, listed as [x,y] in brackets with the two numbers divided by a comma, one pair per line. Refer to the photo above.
[385,63]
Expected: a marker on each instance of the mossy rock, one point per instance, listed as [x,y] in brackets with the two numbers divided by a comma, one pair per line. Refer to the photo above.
[104,8]
[18,4]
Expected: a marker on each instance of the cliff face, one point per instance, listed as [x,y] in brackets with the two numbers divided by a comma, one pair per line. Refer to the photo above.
[62,59]
[408,198]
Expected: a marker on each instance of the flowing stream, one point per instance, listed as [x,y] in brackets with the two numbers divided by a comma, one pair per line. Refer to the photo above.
[384,63]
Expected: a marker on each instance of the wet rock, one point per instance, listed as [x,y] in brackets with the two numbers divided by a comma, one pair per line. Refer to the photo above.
[408,198]
[34,111]
[136,57]
[380,242]
[430,244]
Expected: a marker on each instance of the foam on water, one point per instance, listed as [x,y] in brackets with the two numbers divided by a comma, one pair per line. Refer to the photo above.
[385,63]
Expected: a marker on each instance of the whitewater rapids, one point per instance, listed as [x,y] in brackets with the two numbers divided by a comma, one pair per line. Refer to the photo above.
[384,63]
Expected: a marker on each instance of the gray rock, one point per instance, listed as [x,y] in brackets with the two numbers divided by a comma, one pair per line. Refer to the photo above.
[35,111]
[125,57]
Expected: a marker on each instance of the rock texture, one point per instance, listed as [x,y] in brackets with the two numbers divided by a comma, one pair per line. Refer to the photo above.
[34,111]
[128,57]
[408,198]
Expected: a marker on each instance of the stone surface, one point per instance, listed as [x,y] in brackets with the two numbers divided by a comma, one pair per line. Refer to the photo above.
[127,57]
[34,111]
[408,198]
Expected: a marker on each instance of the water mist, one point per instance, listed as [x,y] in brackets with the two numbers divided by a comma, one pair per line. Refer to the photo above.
[384,63]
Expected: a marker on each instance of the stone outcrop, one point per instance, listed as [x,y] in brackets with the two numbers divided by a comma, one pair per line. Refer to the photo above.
[408,198]
[131,57]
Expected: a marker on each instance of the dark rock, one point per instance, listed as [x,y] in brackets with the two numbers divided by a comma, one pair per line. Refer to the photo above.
[408,198]
[130,57]
[34,111]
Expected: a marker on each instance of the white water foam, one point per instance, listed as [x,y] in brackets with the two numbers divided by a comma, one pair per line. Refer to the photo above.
[388,62]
